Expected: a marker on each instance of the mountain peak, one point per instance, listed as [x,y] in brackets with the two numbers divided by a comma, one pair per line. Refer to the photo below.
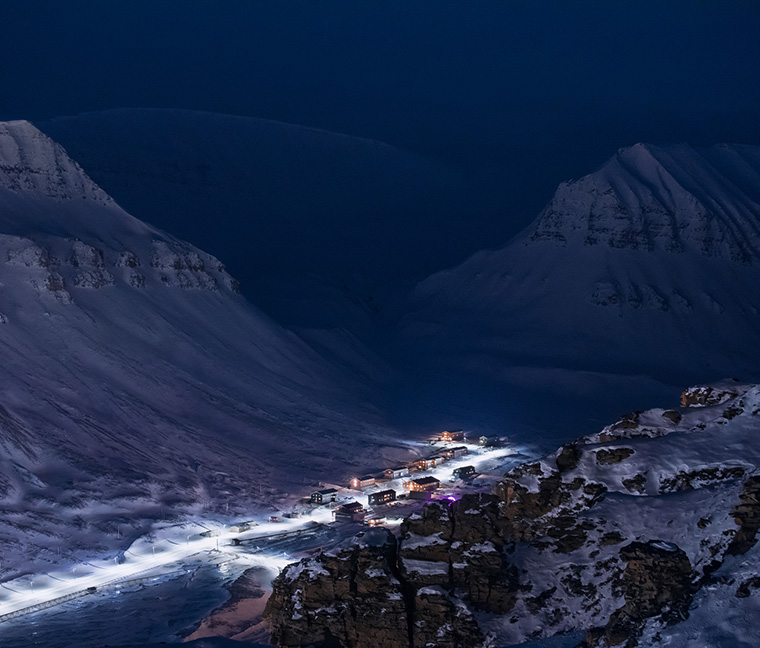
[670,198]
[32,162]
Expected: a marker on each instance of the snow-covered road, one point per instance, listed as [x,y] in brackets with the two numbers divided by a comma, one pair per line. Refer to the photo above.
[183,542]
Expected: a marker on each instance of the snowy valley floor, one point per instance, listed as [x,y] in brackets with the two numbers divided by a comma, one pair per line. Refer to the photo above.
[168,581]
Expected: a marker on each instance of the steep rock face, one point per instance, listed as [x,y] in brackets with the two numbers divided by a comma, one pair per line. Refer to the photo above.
[620,547]
[460,547]
[747,516]
[656,581]
[534,496]
[351,598]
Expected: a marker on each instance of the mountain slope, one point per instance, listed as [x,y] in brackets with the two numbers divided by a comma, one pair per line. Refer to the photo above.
[648,269]
[135,376]
[296,211]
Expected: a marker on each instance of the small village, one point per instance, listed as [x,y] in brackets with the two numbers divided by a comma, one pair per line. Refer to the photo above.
[382,497]
[451,466]
[404,482]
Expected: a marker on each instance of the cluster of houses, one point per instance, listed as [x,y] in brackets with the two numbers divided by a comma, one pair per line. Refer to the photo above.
[458,435]
[416,488]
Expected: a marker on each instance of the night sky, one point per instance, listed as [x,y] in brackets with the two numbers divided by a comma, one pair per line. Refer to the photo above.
[538,90]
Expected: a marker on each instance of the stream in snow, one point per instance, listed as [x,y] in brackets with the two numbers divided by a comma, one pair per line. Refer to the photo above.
[154,610]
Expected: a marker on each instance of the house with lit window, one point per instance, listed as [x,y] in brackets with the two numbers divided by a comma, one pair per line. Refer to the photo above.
[353,511]
[452,435]
[396,473]
[422,484]
[464,472]
[324,496]
[489,441]
[424,464]
[362,482]
[381,497]
[453,453]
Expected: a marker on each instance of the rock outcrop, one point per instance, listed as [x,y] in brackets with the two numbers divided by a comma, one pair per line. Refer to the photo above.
[584,539]
[706,396]
[747,516]
[349,598]
[656,581]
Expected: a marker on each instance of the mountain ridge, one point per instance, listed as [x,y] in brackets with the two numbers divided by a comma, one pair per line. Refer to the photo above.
[649,187]
[619,286]
[136,377]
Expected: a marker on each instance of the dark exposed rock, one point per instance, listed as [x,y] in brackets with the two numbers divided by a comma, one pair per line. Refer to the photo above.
[55,282]
[568,457]
[627,421]
[613,455]
[636,483]
[621,428]
[529,512]
[687,480]
[456,565]
[656,581]
[536,603]
[673,415]
[703,396]
[746,587]
[611,538]
[747,516]
[732,411]
[463,544]
[441,623]
[329,600]
[569,535]
[573,583]
[351,599]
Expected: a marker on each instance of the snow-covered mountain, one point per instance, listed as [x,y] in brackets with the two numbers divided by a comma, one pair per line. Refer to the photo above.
[643,274]
[311,222]
[135,377]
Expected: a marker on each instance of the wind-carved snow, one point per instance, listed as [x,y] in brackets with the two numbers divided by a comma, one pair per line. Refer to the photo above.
[137,382]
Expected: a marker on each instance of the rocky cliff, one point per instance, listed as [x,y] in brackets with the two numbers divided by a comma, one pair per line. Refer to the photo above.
[624,534]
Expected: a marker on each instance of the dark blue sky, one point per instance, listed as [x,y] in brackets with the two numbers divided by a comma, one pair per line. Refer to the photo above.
[540,88]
